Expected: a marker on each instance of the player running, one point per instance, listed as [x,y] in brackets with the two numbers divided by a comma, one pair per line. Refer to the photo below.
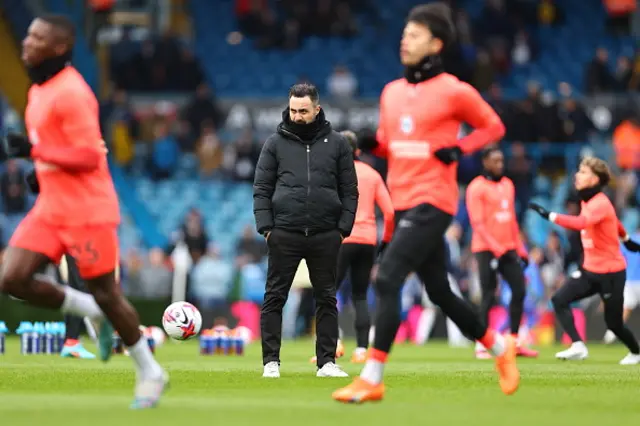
[420,116]
[358,251]
[603,270]
[496,241]
[77,210]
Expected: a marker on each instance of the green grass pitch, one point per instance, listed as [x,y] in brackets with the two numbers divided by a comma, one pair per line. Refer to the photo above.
[432,385]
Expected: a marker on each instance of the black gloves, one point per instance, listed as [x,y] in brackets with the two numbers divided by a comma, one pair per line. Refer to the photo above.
[632,245]
[448,155]
[16,145]
[32,182]
[540,210]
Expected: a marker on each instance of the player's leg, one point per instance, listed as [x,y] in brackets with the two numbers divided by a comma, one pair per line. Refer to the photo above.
[577,288]
[488,283]
[74,325]
[631,300]
[321,256]
[32,246]
[285,252]
[512,272]
[418,238]
[360,276]
[95,250]
[434,275]
[612,293]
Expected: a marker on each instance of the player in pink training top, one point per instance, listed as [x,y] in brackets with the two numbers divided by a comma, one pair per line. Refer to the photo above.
[603,270]
[77,210]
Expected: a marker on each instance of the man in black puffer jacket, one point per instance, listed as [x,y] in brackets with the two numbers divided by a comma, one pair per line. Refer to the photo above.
[305,197]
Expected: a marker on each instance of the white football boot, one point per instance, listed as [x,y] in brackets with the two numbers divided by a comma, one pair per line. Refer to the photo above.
[576,352]
[630,359]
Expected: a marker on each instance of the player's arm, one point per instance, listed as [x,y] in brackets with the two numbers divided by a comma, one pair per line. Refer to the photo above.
[347,189]
[475,111]
[383,200]
[78,116]
[626,239]
[264,185]
[475,207]
[591,215]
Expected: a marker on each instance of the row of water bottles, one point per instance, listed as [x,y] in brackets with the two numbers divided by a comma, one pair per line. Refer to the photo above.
[41,337]
[222,341]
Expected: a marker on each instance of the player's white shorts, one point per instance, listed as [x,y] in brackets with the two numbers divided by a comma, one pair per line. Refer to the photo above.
[632,294]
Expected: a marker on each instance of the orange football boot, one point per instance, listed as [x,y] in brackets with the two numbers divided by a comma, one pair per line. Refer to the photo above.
[507,368]
[359,391]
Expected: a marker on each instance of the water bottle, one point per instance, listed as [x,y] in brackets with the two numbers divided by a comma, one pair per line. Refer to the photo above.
[3,331]
[38,338]
[206,343]
[238,345]
[50,339]
[61,329]
[26,341]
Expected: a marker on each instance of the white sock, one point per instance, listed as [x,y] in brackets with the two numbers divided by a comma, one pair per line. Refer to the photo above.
[499,346]
[80,304]
[359,351]
[579,345]
[372,371]
[147,366]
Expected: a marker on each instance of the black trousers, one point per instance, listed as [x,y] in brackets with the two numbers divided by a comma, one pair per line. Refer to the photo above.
[610,287]
[359,259]
[511,271]
[418,245]
[74,325]
[286,250]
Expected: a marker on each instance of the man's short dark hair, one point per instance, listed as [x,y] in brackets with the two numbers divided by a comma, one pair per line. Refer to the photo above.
[486,152]
[301,90]
[437,17]
[63,23]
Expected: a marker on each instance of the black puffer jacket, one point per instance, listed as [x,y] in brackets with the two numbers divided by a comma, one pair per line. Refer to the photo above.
[307,186]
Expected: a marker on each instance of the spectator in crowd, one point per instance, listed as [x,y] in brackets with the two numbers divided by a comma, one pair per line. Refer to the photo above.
[243,157]
[552,270]
[209,150]
[192,234]
[211,280]
[152,279]
[190,74]
[623,74]
[251,248]
[202,107]
[14,189]
[520,171]
[342,83]
[599,78]
[164,152]
[549,13]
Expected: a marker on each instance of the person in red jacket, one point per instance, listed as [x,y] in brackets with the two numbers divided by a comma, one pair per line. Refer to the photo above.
[496,241]
[603,269]
[420,118]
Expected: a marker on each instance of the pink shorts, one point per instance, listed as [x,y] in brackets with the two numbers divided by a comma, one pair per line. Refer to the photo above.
[93,247]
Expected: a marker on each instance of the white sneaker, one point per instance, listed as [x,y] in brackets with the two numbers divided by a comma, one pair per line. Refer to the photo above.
[630,359]
[331,370]
[576,352]
[609,337]
[271,370]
